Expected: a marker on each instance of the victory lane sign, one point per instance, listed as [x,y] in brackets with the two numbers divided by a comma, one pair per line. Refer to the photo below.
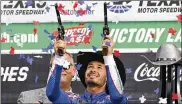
[143,35]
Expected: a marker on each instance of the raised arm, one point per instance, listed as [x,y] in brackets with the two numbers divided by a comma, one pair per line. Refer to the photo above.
[114,82]
[53,91]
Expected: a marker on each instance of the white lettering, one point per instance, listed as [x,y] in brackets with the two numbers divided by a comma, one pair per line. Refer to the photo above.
[172,38]
[11,73]
[169,38]
[32,38]
[16,38]
[78,39]
[88,31]
[23,74]
[4,73]
[23,38]
[140,35]
[148,37]
[159,34]
[84,30]
[121,38]
[69,32]
[79,30]
[150,73]
[178,37]
[114,35]
[6,36]
[136,35]
[132,31]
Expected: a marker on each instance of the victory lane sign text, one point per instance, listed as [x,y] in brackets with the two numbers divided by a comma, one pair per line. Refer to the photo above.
[20,8]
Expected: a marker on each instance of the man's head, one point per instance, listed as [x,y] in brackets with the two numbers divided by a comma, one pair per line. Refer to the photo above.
[68,74]
[100,79]
[95,75]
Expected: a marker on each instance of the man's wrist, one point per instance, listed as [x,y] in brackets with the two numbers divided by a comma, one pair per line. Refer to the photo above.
[109,59]
[59,59]
[109,54]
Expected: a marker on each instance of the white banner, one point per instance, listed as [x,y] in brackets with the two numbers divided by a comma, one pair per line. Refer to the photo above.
[88,11]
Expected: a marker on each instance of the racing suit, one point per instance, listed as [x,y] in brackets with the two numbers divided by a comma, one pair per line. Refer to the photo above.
[114,83]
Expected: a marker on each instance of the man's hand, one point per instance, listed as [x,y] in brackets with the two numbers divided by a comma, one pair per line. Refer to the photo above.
[110,48]
[60,44]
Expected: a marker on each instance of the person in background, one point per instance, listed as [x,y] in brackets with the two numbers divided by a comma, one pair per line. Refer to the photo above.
[38,96]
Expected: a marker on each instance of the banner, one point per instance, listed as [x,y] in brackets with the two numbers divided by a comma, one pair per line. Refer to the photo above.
[20,73]
[126,35]
[89,11]
[142,78]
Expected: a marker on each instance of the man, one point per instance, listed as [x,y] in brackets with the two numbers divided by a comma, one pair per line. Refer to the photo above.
[100,75]
[38,96]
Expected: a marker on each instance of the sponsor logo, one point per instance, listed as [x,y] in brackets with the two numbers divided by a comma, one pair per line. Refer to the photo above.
[14,73]
[160,6]
[22,8]
[77,35]
[144,73]
[119,6]
[22,38]
[74,8]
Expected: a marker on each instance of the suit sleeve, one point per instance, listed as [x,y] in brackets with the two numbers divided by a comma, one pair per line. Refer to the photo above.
[53,91]
[114,82]
[20,98]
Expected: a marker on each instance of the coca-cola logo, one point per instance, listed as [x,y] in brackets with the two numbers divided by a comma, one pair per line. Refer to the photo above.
[146,73]
[143,73]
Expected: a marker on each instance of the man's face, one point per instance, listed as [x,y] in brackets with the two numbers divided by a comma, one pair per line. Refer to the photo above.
[95,74]
[67,74]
